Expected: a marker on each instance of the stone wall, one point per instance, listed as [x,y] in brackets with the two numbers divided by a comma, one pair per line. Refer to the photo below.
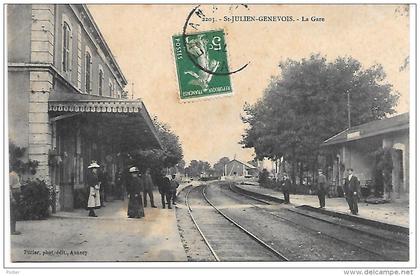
[42,34]
[40,86]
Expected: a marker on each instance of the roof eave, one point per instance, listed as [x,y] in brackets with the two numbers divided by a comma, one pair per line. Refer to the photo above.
[330,142]
[150,123]
[85,8]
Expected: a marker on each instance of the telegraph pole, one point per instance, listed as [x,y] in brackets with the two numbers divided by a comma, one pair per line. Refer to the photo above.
[348,108]
[132,90]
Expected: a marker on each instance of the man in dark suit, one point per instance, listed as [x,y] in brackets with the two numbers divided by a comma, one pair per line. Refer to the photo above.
[285,187]
[351,191]
[165,191]
[148,188]
[322,188]
[174,185]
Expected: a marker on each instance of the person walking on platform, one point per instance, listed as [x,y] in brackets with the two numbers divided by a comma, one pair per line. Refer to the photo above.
[351,191]
[322,188]
[164,186]
[94,200]
[285,187]
[148,188]
[135,203]
[174,185]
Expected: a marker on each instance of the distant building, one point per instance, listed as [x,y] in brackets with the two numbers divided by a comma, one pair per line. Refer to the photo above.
[64,97]
[355,148]
[267,164]
[239,168]
[272,166]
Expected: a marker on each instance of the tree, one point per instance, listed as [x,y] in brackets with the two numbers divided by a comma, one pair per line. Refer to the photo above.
[197,167]
[307,103]
[158,159]
[17,161]
[219,166]
[181,167]
[171,145]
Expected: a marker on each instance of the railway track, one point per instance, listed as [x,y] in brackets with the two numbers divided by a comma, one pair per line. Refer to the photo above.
[226,238]
[294,222]
[399,238]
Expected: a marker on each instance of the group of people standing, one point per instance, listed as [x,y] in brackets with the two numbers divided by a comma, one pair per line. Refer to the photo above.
[138,187]
[351,189]
[143,183]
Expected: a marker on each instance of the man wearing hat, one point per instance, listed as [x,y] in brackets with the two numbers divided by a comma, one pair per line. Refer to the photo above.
[322,187]
[164,186]
[172,191]
[148,188]
[94,200]
[351,191]
[135,202]
[285,187]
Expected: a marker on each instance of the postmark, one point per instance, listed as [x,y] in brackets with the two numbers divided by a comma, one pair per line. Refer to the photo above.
[202,64]
[201,14]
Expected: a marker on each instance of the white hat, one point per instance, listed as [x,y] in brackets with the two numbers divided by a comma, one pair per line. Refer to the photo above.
[133,169]
[93,165]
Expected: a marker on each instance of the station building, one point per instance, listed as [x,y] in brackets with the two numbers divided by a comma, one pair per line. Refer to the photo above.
[356,147]
[65,97]
[241,169]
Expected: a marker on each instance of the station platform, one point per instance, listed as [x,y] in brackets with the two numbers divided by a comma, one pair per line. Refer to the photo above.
[395,213]
[111,236]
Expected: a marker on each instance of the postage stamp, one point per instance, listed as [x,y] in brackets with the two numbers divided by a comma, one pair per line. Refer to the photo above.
[202,64]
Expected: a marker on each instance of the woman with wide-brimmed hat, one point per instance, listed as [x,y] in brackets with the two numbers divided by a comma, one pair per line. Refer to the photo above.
[135,203]
[94,200]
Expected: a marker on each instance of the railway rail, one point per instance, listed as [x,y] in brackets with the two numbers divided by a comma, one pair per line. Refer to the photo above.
[226,238]
[385,257]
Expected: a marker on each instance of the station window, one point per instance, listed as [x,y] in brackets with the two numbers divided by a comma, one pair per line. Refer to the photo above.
[100,81]
[66,47]
[111,89]
[88,69]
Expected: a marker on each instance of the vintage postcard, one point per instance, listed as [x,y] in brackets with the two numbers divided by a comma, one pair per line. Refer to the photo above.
[210,135]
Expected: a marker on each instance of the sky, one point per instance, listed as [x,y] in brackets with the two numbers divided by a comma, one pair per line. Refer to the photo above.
[140,38]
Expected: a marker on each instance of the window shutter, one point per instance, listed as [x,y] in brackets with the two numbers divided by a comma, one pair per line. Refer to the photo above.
[70,51]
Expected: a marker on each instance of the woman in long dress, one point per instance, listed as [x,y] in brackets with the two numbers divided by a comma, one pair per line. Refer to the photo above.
[94,200]
[135,202]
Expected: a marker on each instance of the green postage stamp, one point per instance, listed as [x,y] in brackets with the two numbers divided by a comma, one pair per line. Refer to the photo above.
[202,66]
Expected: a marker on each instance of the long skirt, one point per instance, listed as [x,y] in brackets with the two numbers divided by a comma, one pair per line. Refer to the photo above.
[94,200]
[135,207]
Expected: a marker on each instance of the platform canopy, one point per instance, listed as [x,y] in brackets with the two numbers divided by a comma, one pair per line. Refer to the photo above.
[375,128]
[128,119]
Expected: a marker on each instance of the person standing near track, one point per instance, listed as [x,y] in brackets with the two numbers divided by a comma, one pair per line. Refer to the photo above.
[351,191]
[285,187]
[164,186]
[174,185]
[322,187]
